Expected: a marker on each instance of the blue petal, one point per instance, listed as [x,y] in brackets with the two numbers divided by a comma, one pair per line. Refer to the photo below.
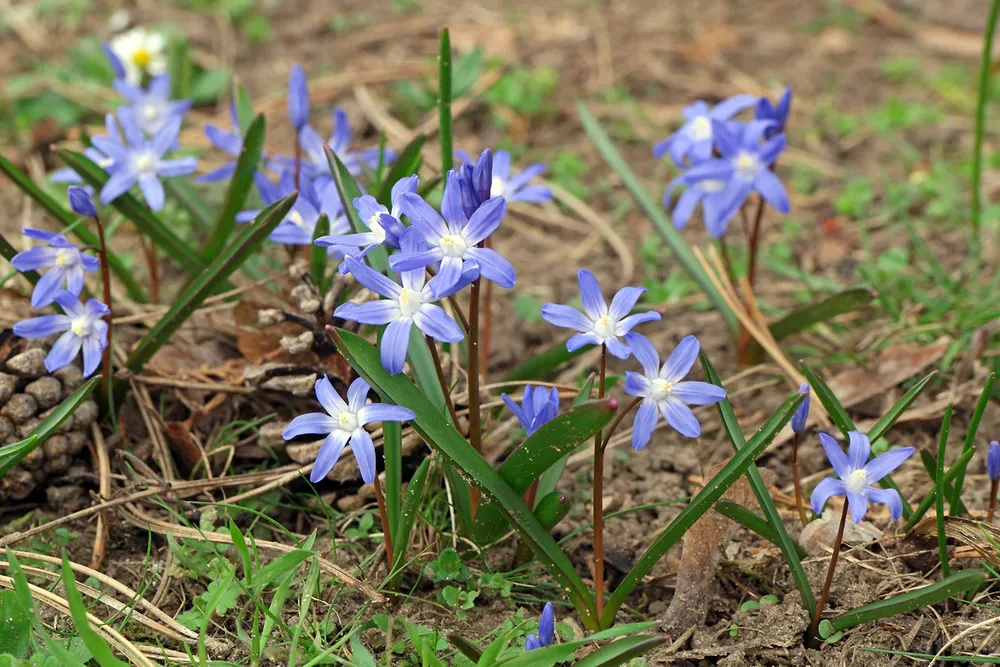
[329,453]
[384,412]
[636,384]
[730,107]
[63,352]
[680,417]
[839,461]
[560,315]
[685,206]
[39,257]
[298,97]
[434,322]
[516,409]
[357,394]
[329,398]
[645,422]
[624,301]
[858,503]
[364,453]
[802,412]
[225,171]
[993,461]
[485,220]
[373,280]
[645,352]
[426,220]
[152,190]
[698,393]
[576,341]
[590,293]
[393,345]
[119,183]
[493,266]
[680,361]
[825,490]
[859,449]
[92,349]
[890,498]
[617,348]
[47,287]
[884,464]
[448,276]
[772,190]
[547,625]
[376,313]
[627,324]
[42,326]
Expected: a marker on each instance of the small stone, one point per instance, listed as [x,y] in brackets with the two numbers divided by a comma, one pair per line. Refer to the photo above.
[817,537]
[269,317]
[17,484]
[27,428]
[57,464]
[76,442]
[310,306]
[84,416]
[30,364]
[57,445]
[8,384]
[71,377]
[269,434]
[298,344]
[33,459]
[301,292]
[20,408]
[297,269]
[70,498]
[298,385]
[47,390]
[6,428]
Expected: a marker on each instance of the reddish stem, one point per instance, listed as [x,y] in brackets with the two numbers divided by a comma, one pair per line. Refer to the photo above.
[993,501]
[598,498]
[811,635]
[384,516]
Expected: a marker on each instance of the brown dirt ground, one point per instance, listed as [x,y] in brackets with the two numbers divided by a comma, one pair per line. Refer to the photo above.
[665,55]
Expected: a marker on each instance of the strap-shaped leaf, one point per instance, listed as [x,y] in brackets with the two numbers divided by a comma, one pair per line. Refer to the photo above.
[439,434]
[444,102]
[407,163]
[556,652]
[93,641]
[11,455]
[68,219]
[939,490]
[621,651]
[653,210]
[970,439]
[956,469]
[538,453]
[948,587]
[147,221]
[782,539]
[180,190]
[821,311]
[317,254]
[700,504]
[890,417]
[411,505]
[239,187]
[203,285]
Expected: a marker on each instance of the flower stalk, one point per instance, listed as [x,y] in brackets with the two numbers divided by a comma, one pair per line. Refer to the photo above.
[598,496]
[384,517]
[811,634]
[475,420]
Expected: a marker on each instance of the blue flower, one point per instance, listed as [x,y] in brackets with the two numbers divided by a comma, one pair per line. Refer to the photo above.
[403,307]
[298,98]
[744,167]
[152,107]
[64,260]
[299,225]
[802,413]
[230,142]
[140,160]
[598,324]
[513,187]
[344,422]
[776,114]
[708,193]
[80,201]
[340,141]
[663,390]
[475,179]
[694,139]
[858,476]
[993,461]
[384,225]
[540,405]
[83,328]
[67,175]
[546,630]
[451,238]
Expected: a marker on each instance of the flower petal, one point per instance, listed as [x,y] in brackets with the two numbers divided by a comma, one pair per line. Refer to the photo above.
[92,349]
[561,315]
[357,395]
[532,194]
[645,422]
[152,190]
[698,393]
[685,206]
[772,190]
[174,168]
[825,490]
[47,287]
[728,108]
[680,361]
[433,321]
[645,352]
[63,352]
[841,464]
[329,453]
[627,324]
[590,293]
[547,625]
[858,449]
[449,274]
[119,183]
[617,348]
[576,341]
[312,423]
[376,313]
[364,453]
[889,498]
[858,503]
[42,326]
[885,463]
[384,412]
[395,341]
[624,301]
[637,384]
[680,417]
[373,280]
[427,221]
[485,220]
[329,398]
[492,265]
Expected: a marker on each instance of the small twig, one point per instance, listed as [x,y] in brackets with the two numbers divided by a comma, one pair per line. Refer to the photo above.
[104,485]
[444,385]
[384,516]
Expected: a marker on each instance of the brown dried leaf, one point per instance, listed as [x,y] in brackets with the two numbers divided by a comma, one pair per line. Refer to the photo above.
[896,364]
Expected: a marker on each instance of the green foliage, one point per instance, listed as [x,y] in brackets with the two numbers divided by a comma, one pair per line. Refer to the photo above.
[449,567]
[525,91]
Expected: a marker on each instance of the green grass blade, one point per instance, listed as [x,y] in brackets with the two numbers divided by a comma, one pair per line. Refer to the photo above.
[317,254]
[200,288]
[948,587]
[890,417]
[621,651]
[556,653]
[466,647]
[653,210]
[985,68]
[407,163]
[957,468]
[145,220]
[549,510]
[547,482]
[408,514]
[348,190]
[700,504]
[821,311]
[392,451]
[538,453]
[970,439]
[239,187]
[68,219]
[244,107]
[753,523]
[439,434]
[939,490]
[181,191]
[9,251]
[543,364]
[11,454]
[930,465]
[782,539]
[444,102]
[93,641]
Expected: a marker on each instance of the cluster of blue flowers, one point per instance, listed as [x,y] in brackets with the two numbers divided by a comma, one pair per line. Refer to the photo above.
[82,325]
[724,160]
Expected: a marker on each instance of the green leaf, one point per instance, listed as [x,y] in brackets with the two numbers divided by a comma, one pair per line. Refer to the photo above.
[240,542]
[180,68]
[93,641]
[239,187]
[700,504]
[956,469]
[244,107]
[550,478]
[15,625]
[559,652]
[782,539]
[348,190]
[210,85]
[68,219]
[317,254]
[408,514]
[550,509]
[182,192]
[145,220]
[890,417]
[202,286]
[754,523]
[621,651]
[970,438]
[444,102]
[537,453]
[465,646]
[224,596]
[653,210]
[407,163]
[951,586]
[397,389]
[11,455]
[821,311]
[543,364]
[939,490]
[285,563]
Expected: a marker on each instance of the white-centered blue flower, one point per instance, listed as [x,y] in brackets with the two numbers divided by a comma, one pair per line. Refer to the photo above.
[152,105]
[599,324]
[299,226]
[513,187]
[695,137]
[344,422]
[82,327]
[64,261]
[663,390]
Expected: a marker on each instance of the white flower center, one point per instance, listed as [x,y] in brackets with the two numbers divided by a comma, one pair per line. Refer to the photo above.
[81,326]
[347,421]
[105,162]
[712,185]
[410,302]
[747,165]
[604,327]
[150,111]
[296,219]
[64,257]
[497,187]
[856,481]
[145,163]
[454,245]
[376,227]
[700,129]
[660,389]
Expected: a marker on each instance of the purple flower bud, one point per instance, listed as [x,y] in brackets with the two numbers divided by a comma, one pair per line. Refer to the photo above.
[802,413]
[298,98]
[993,461]
[80,201]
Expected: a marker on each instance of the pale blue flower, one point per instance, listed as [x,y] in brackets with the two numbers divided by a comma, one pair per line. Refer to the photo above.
[993,461]
[802,412]
[299,226]
[81,328]
[695,138]
[64,261]
[152,106]
[298,98]
[513,187]
[538,406]
[546,630]
[102,160]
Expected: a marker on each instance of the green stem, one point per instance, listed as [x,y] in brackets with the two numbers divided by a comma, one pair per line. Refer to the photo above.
[106,286]
[598,498]
[811,636]
[475,423]
[977,148]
